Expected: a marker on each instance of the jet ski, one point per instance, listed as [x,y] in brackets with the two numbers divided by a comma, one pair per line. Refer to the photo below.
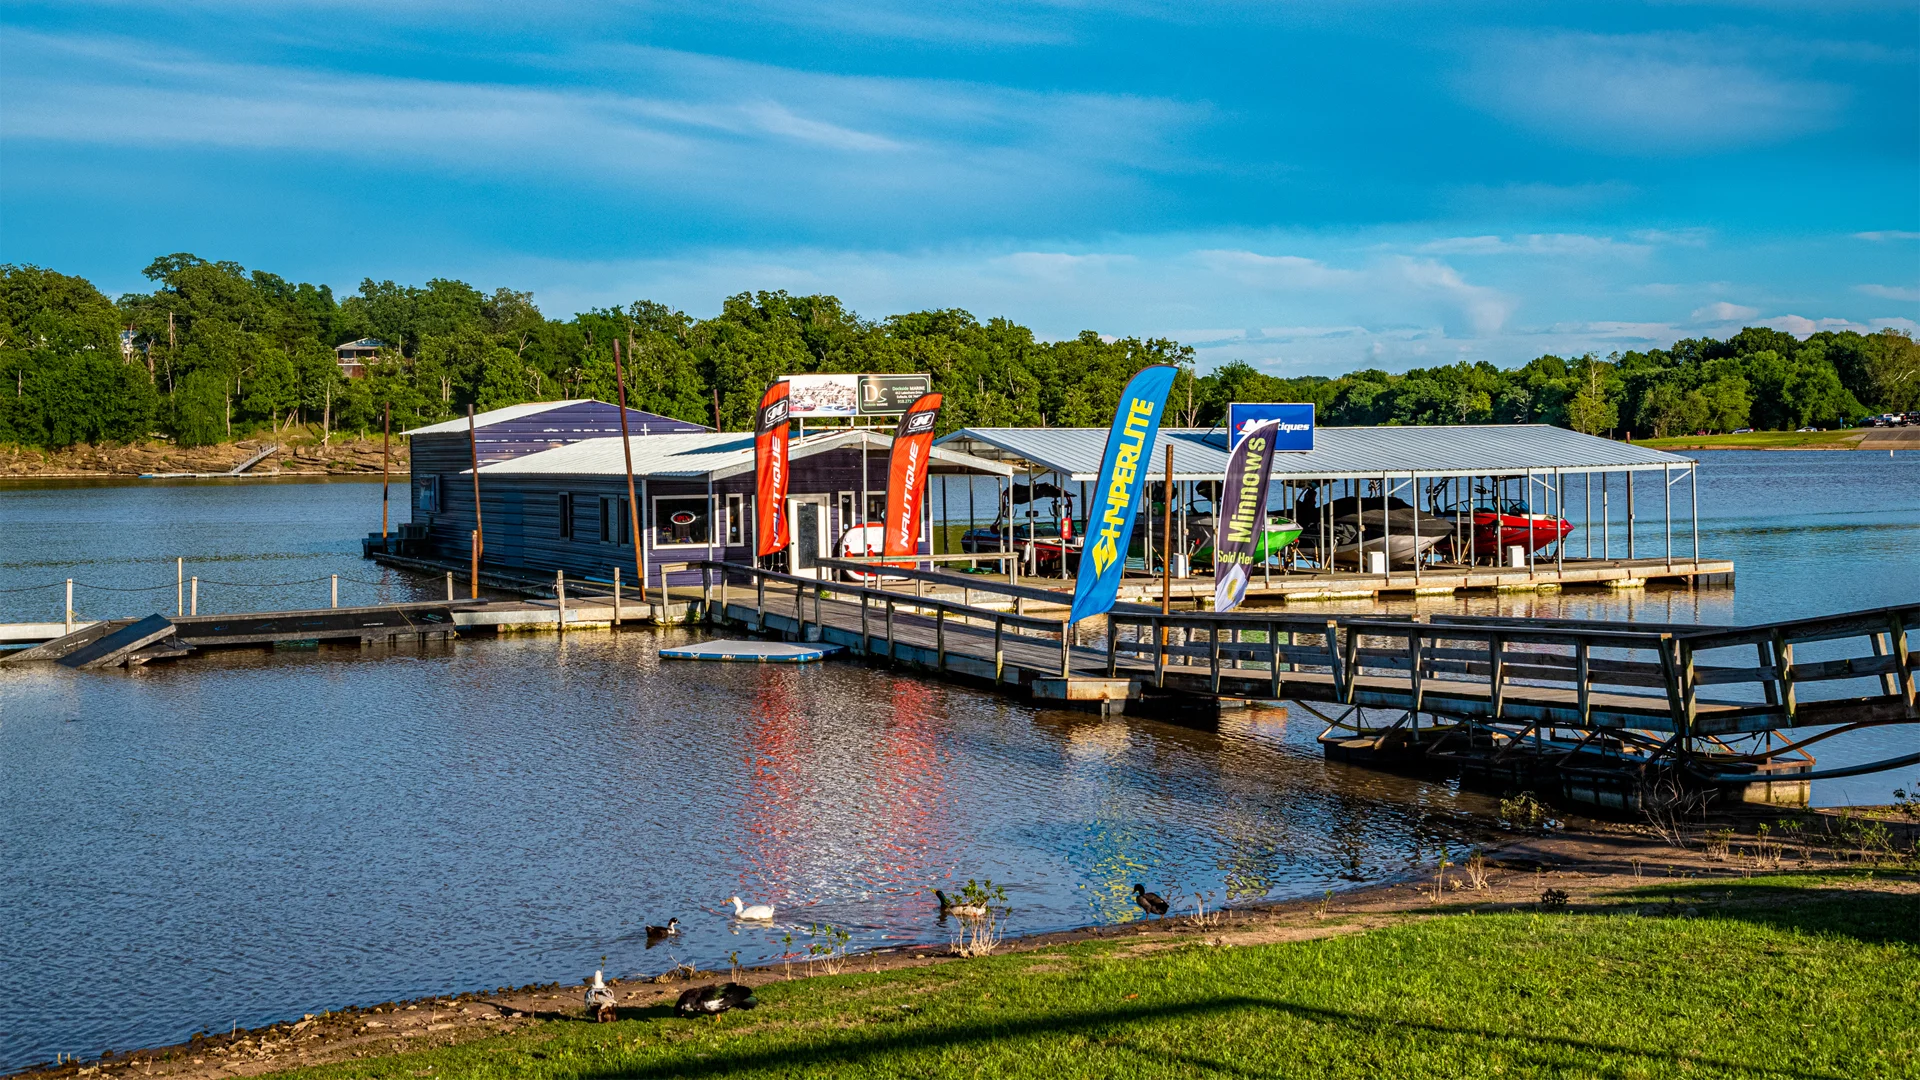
[1367,523]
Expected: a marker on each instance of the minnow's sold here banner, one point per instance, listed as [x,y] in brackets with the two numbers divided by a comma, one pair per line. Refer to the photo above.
[1123,473]
[770,435]
[1242,520]
[907,476]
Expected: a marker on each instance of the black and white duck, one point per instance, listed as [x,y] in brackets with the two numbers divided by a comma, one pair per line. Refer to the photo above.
[714,1000]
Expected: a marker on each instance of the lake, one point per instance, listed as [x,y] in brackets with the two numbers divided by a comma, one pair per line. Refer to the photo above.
[251,835]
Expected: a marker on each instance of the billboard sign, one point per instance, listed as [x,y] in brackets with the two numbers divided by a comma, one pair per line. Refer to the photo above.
[854,395]
[1294,435]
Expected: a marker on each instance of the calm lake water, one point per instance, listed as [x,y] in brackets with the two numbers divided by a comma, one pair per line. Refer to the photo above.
[248,836]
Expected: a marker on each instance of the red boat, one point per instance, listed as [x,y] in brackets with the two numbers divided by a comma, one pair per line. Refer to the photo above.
[1503,524]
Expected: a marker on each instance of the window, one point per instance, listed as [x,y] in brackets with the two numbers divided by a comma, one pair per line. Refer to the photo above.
[566,515]
[736,520]
[846,510]
[682,521]
[426,493]
[606,520]
[626,521]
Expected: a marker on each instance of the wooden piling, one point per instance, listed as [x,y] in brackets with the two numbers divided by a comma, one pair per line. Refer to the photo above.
[386,438]
[478,538]
[626,446]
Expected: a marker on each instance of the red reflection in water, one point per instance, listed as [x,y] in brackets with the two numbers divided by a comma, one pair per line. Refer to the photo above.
[912,786]
[771,819]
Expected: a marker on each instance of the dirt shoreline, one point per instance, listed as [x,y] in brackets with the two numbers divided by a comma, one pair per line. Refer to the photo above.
[1592,863]
[300,454]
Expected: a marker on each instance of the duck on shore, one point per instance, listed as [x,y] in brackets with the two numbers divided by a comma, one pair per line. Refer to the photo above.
[600,1000]
[713,1000]
[751,911]
[1151,903]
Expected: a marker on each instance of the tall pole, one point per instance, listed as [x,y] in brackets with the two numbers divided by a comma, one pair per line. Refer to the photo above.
[386,437]
[626,444]
[1166,541]
[479,538]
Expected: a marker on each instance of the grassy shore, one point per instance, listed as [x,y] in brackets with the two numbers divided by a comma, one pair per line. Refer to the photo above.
[1794,975]
[1761,440]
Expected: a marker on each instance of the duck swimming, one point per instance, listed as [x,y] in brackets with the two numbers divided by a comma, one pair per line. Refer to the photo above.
[950,906]
[753,911]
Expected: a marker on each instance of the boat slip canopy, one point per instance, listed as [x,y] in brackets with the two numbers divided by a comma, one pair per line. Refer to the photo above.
[1339,453]
[711,454]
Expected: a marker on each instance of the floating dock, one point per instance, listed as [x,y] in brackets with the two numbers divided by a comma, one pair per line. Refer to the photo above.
[1596,712]
[751,651]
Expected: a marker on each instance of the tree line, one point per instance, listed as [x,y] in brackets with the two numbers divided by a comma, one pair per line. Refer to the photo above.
[216,352]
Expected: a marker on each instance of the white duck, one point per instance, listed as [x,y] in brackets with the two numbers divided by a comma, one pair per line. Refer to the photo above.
[600,999]
[756,911]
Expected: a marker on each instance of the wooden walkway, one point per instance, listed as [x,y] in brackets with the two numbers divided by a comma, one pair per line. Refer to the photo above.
[1562,673]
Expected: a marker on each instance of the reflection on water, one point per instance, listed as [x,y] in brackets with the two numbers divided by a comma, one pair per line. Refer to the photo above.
[248,836]
[256,835]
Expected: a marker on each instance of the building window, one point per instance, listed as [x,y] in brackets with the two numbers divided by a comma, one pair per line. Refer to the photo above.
[566,515]
[626,521]
[846,510]
[606,520]
[426,494]
[682,521]
[736,520]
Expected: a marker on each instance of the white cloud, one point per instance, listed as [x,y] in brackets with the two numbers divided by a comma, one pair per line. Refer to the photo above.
[1532,244]
[1801,327]
[755,138]
[1886,234]
[1890,292]
[1650,93]
[1722,312]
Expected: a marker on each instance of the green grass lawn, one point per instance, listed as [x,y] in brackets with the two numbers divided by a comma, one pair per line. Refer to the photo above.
[1756,440]
[1780,976]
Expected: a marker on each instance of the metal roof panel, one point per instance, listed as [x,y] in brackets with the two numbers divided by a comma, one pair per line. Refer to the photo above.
[1339,452]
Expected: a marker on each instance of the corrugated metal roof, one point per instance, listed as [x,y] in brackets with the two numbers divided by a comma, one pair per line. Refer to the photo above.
[495,416]
[1339,452]
[718,454]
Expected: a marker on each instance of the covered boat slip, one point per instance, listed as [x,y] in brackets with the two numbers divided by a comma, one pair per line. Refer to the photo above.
[1399,509]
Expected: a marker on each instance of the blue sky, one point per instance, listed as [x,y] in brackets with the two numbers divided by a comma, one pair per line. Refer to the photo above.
[1310,187]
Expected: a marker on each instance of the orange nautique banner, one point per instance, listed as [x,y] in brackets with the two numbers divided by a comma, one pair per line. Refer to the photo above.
[907,476]
[770,435]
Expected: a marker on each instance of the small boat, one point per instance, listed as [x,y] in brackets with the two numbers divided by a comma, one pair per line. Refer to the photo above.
[1366,524]
[1043,542]
[1494,525]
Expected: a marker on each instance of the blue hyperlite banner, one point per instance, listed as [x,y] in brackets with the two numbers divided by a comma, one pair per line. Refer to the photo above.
[1295,433]
[1123,472]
